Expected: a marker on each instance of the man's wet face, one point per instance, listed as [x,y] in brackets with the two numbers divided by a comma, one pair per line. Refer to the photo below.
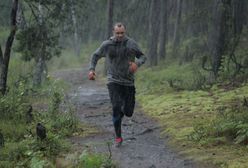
[119,32]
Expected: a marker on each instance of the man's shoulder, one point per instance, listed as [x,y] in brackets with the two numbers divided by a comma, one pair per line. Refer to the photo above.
[106,43]
[131,42]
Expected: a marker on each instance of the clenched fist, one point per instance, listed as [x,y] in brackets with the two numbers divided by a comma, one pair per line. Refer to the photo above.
[132,67]
[92,75]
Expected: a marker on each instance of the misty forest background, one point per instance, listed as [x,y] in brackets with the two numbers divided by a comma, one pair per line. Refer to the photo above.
[194,81]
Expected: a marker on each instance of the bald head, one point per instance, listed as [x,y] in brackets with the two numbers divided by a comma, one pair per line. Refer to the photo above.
[119,31]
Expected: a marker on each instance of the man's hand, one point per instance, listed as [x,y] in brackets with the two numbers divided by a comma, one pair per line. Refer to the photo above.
[132,67]
[92,75]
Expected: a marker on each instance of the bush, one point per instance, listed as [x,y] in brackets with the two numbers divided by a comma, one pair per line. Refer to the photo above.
[90,160]
[30,151]
[22,148]
[230,124]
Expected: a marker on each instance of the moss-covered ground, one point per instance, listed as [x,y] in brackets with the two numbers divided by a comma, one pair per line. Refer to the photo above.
[180,112]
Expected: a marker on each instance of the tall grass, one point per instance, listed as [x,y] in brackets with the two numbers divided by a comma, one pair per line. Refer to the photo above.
[173,77]
[17,124]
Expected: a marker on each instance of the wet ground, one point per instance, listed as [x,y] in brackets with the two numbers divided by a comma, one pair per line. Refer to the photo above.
[143,147]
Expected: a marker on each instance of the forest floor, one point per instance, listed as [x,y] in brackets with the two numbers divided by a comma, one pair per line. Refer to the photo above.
[143,145]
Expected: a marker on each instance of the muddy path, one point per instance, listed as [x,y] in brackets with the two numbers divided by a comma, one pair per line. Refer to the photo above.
[143,147]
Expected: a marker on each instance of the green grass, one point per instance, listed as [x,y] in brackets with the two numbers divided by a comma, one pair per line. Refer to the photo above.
[180,112]
[22,148]
[91,160]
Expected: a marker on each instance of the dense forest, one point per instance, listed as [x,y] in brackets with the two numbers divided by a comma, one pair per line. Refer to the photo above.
[194,81]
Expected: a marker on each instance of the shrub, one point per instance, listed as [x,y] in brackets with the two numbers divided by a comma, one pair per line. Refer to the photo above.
[231,124]
[90,160]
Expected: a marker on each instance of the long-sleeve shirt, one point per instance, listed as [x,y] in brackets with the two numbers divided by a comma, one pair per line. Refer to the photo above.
[118,55]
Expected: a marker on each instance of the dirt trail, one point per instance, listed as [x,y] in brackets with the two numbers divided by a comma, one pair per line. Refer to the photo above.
[142,147]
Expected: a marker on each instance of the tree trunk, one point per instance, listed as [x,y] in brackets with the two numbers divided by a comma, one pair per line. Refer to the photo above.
[74,21]
[62,39]
[39,70]
[176,37]
[163,30]
[40,64]
[4,59]
[219,36]
[110,18]
[1,58]
[110,10]
[153,33]
[2,90]
[238,19]
[21,21]
[238,14]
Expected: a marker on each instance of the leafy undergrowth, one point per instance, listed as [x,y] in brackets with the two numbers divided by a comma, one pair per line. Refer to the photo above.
[22,108]
[209,125]
[85,158]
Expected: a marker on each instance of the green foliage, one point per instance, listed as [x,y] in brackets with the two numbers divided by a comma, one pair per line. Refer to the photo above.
[37,162]
[66,124]
[199,130]
[235,66]
[56,99]
[60,116]
[90,160]
[13,105]
[193,48]
[231,123]
[22,148]
[35,40]
[13,129]
[187,76]
[30,151]
[189,117]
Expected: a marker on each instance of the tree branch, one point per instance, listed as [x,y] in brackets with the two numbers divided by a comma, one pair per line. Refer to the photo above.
[48,9]
[32,10]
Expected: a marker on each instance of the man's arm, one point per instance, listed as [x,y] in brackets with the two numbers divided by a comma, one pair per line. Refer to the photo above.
[99,53]
[141,58]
